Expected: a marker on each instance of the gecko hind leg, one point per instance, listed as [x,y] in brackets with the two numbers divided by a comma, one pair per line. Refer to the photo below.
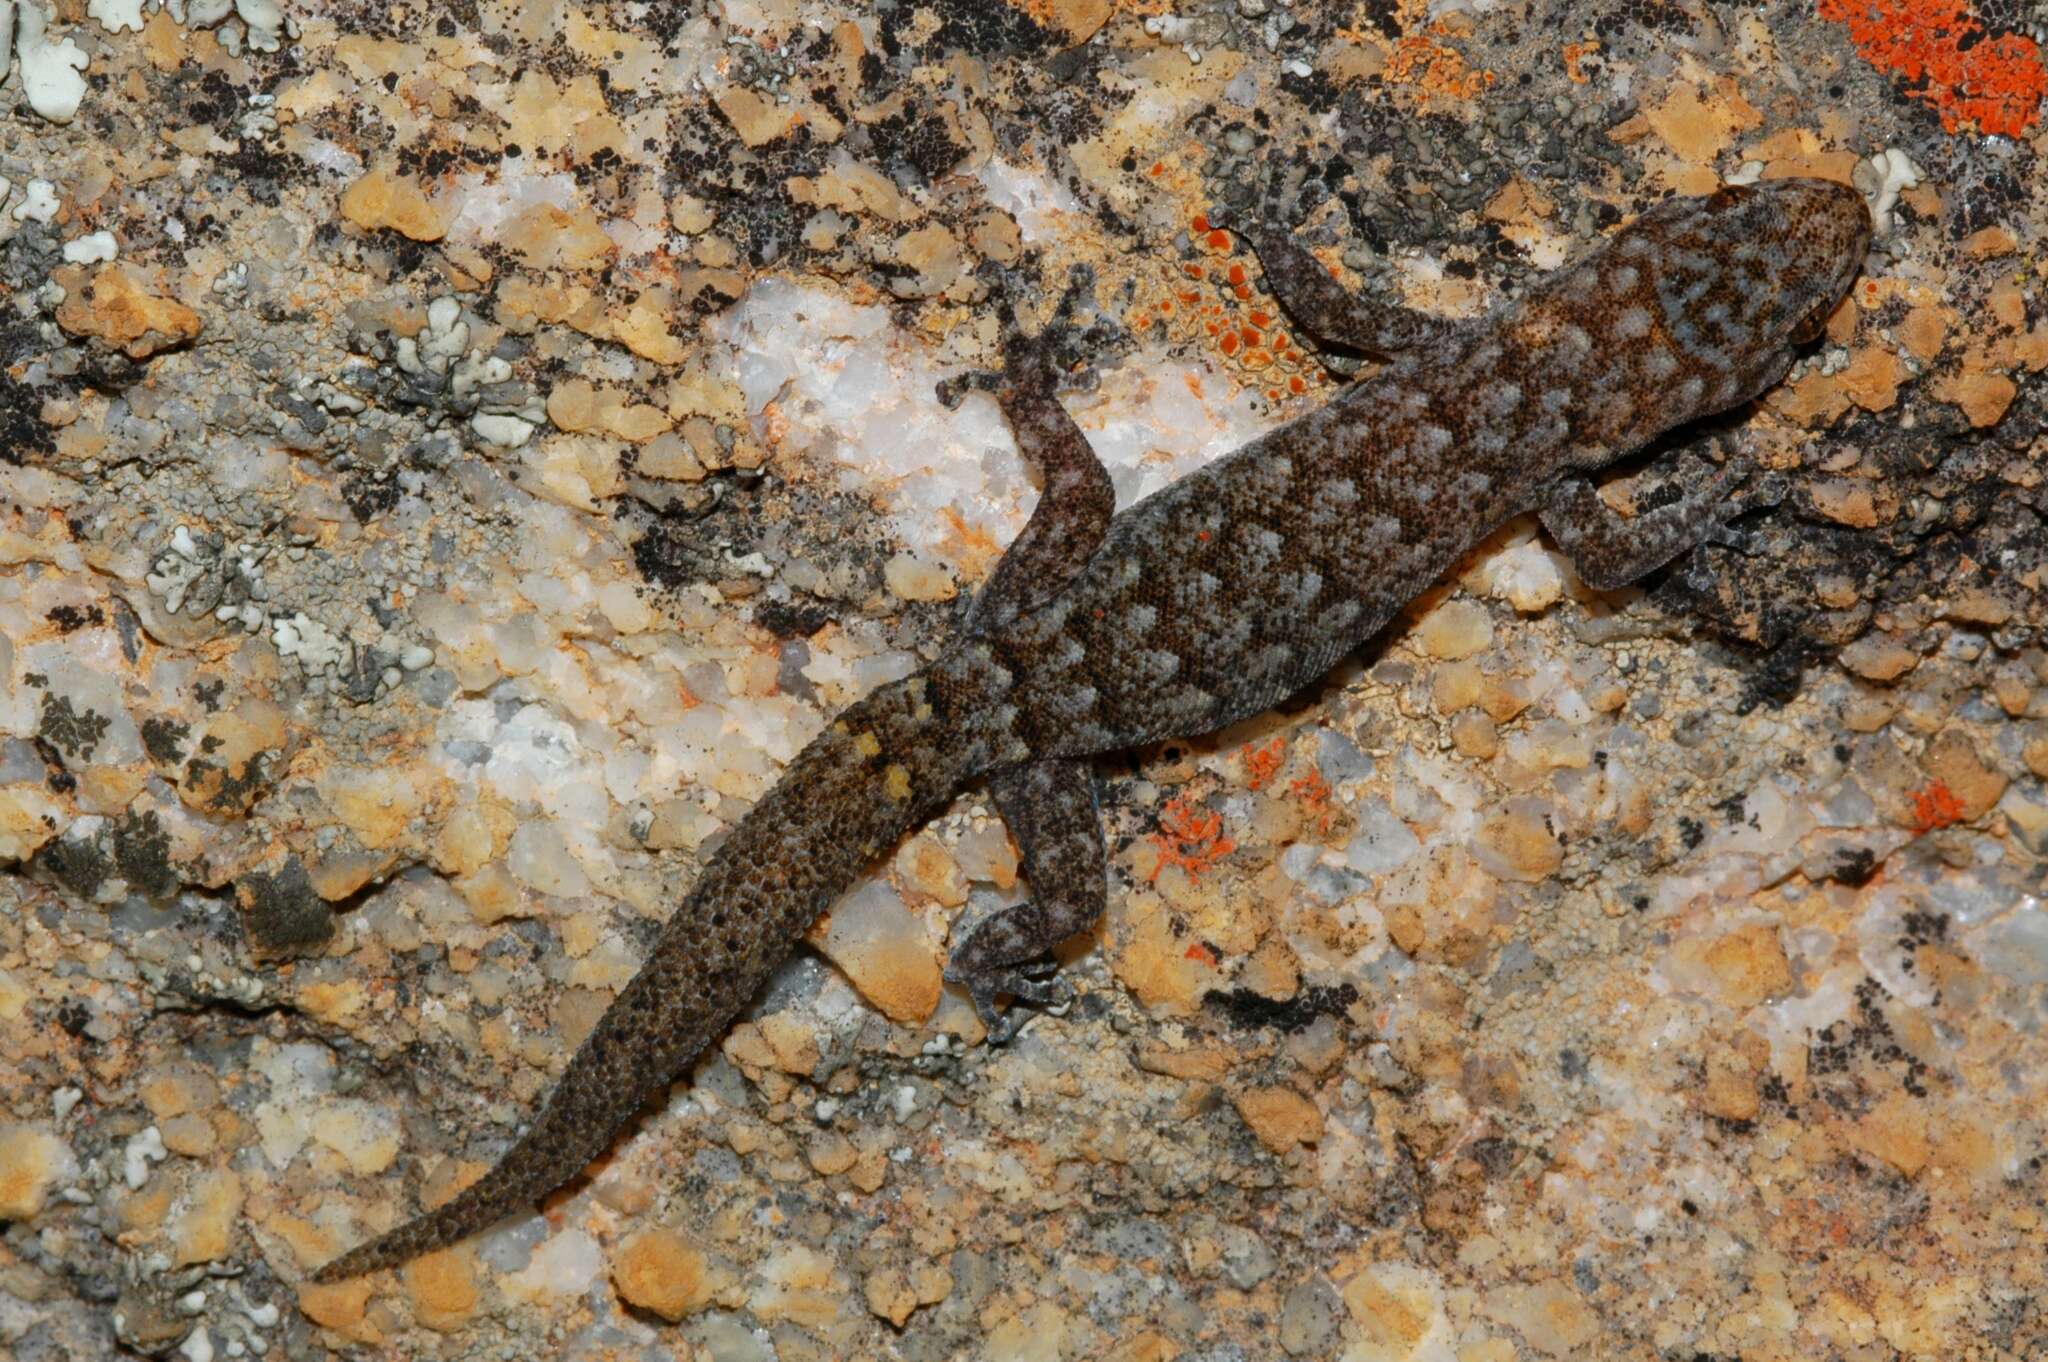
[1610,550]
[1075,501]
[1050,808]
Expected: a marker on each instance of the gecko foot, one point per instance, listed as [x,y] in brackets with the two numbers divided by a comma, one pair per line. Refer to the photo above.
[1029,360]
[1037,984]
[1757,493]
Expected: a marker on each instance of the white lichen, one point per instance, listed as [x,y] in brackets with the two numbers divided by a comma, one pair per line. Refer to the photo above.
[91,248]
[38,202]
[116,16]
[143,1149]
[1882,178]
[313,644]
[50,69]
[442,357]
[260,120]
[266,23]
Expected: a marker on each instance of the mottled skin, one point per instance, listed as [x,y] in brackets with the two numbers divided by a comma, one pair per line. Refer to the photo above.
[1211,601]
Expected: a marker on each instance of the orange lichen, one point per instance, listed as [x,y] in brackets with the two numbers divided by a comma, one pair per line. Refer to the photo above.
[1939,48]
[1418,59]
[1189,838]
[1261,764]
[1314,793]
[1936,806]
[1574,53]
[1209,310]
[1201,954]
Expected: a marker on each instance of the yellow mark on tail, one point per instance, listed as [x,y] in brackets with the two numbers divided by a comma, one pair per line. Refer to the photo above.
[867,744]
[896,781]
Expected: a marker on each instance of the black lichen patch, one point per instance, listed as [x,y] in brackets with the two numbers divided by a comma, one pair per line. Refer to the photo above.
[71,618]
[260,171]
[283,915]
[1854,868]
[913,141]
[1250,1011]
[72,733]
[1924,929]
[676,548]
[74,1016]
[792,619]
[23,436]
[368,495]
[164,739]
[972,26]
[80,864]
[745,187]
[208,97]
[142,853]
[1833,1051]
[231,790]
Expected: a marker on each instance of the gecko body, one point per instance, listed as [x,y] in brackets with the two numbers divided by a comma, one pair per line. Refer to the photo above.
[1211,601]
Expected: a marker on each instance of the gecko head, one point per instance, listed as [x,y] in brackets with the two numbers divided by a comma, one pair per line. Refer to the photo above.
[1753,270]
[1823,229]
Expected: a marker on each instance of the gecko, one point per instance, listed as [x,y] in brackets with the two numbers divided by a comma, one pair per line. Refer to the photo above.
[1213,600]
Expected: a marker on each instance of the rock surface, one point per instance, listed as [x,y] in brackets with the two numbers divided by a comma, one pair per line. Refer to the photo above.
[451,458]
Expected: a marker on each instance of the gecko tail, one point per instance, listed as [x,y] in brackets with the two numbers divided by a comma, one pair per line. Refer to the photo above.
[596,1094]
[884,766]
[444,1225]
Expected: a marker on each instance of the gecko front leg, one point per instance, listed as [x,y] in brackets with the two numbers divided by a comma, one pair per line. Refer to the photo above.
[1050,808]
[1610,550]
[1327,312]
[1075,500]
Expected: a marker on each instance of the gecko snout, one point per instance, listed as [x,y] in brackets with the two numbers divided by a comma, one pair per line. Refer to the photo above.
[1827,228]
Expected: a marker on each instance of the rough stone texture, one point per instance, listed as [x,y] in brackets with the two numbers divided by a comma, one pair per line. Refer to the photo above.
[506,432]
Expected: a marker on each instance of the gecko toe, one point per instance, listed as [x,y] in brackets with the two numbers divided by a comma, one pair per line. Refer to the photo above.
[1764,492]
[951,390]
[1732,537]
[1032,987]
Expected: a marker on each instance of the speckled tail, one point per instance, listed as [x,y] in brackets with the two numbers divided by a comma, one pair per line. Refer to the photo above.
[885,765]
